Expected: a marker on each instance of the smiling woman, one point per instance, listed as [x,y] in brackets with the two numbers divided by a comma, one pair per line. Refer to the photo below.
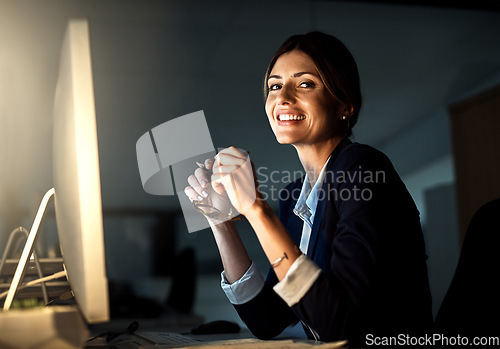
[300,108]
[347,254]
[332,63]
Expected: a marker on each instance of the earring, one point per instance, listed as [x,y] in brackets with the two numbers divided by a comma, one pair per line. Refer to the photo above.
[344,117]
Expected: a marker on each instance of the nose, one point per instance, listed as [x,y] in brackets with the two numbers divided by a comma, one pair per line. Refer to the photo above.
[285,95]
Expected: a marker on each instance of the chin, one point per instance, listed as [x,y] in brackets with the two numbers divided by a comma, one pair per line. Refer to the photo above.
[285,140]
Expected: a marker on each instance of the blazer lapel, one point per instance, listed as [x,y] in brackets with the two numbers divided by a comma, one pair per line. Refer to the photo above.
[318,217]
[292,223]
[320,209]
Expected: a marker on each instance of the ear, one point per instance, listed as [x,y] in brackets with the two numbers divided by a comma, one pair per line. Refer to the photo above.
[348,110]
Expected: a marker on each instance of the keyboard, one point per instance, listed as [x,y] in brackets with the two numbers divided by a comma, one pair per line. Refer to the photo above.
[166,338]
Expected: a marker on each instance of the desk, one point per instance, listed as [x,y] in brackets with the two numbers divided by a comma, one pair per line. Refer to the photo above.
[63,327]
[244,339]
[234,343]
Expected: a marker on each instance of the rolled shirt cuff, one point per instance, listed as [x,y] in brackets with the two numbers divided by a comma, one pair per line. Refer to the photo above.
[298,280]
[246,288]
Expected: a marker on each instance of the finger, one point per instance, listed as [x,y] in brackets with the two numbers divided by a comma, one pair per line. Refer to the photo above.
[218,188]
[201,176]
[239,153]
[225,169]
[229,159]
[192,194]
[220,181]
[235,152]
[209,163]
[218,177]
[193,182]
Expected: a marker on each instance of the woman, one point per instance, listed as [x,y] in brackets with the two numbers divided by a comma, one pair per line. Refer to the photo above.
[347,254]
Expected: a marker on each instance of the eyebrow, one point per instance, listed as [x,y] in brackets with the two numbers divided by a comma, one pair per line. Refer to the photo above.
[296,75]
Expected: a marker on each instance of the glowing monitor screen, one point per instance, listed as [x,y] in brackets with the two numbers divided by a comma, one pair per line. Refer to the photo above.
[76,175]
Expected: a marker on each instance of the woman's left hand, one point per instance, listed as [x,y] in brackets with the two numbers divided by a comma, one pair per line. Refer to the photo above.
[233,173]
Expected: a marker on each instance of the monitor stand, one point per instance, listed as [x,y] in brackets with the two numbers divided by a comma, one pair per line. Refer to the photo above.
[27,251]
[50,327]
[38,267]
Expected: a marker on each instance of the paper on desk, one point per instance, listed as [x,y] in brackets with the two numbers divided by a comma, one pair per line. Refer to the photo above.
[252,343]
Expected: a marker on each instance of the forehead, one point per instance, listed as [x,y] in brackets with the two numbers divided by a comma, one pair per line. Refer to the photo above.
[293,62]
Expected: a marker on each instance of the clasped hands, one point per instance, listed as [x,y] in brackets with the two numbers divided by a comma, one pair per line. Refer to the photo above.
[223,187]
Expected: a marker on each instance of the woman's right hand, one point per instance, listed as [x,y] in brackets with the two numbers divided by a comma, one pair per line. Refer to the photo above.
[201,193]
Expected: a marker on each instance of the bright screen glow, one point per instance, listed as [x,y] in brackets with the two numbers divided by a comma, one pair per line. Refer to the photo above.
[76,176]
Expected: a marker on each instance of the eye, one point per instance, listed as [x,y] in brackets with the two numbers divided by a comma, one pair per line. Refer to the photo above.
[274,87]
[307,84]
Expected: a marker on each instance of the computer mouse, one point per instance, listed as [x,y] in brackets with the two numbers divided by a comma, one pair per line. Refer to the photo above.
[215,327]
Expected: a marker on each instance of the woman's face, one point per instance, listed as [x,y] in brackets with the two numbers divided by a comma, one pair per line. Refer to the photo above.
[299,107]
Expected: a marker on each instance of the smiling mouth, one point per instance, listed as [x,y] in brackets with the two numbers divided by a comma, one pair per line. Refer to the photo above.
[290,117]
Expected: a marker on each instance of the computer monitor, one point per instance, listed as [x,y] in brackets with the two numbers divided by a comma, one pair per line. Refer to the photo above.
[78,210]
[76,175]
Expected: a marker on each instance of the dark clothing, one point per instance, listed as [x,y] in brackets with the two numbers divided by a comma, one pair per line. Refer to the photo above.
[367,239]
[472,304]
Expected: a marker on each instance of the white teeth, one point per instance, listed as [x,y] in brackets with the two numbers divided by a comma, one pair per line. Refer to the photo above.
[288,117]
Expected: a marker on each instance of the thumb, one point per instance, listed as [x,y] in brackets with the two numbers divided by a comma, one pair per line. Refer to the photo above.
[218,187]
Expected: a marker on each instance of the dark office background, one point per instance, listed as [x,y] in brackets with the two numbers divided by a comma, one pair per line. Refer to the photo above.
[157,60]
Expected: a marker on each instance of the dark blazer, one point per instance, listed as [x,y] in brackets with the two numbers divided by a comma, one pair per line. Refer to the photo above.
[367,239]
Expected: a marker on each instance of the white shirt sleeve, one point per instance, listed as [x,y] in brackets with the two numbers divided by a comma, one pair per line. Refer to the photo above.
[246,288]
[298,280]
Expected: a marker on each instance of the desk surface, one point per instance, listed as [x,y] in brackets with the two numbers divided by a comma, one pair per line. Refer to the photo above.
[209,343]
[244,339]
[64,327]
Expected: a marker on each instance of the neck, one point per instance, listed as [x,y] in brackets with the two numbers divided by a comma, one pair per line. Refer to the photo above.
[313,156]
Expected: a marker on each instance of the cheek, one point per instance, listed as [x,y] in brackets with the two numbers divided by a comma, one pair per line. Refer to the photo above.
[269,111]
[269,108]
[330,109]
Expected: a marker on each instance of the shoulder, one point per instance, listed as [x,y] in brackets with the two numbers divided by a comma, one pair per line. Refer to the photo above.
[360,166]
[356,152]
[356,155]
